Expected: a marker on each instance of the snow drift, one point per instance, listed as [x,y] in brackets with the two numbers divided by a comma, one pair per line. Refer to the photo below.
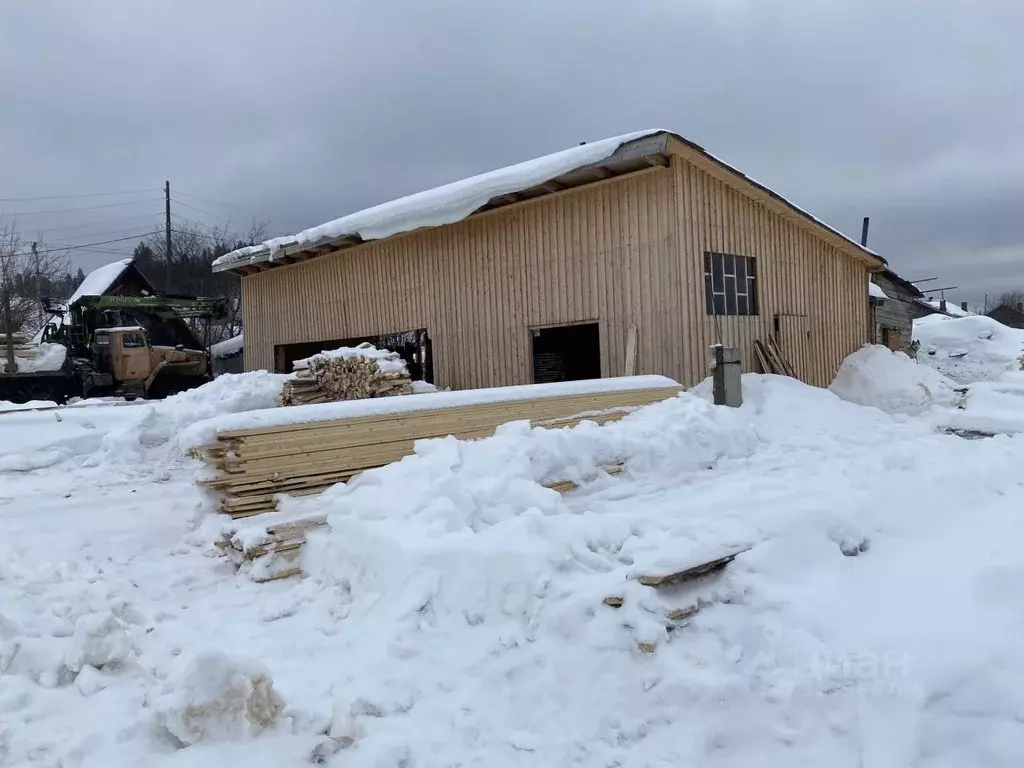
[875,375]
[969,349]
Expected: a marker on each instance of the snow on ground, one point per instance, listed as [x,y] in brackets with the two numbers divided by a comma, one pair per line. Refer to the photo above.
[453,614]
[969,349]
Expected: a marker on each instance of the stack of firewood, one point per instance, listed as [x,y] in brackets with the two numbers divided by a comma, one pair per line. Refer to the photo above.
[348,373]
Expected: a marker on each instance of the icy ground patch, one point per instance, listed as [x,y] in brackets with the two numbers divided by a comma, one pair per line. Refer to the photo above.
[453,615]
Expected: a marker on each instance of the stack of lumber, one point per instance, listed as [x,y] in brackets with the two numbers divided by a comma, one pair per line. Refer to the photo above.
[347,373]
[270,549]
[253,466]
[771,358]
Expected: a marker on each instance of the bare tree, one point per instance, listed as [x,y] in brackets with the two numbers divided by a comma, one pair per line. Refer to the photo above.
[1012,299]
[24,269]
[194,248]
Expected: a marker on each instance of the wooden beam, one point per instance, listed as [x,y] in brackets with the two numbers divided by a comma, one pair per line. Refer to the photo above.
[631,351]
[659,161]
[601,172]
[552,186]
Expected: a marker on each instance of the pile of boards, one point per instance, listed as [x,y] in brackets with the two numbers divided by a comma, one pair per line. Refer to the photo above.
[771,358]
[254,466]
[347,373]
[270,549]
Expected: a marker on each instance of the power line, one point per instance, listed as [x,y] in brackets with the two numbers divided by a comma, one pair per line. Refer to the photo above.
[101,242]
[15,214]
[199,234]
[219,202]
[200,210]
[68,197]
[122,230]
[98,223]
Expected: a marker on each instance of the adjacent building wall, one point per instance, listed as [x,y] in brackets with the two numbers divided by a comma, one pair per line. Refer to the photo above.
[894,314]
[621,252]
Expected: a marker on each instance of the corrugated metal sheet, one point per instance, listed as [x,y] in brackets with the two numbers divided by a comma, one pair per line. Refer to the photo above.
[619,252]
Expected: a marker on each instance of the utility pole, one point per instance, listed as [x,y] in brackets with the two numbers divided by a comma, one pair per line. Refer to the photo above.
[167,227]
[39,283]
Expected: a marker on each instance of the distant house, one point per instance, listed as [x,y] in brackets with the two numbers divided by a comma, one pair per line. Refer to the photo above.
[1007,315]
[894,304]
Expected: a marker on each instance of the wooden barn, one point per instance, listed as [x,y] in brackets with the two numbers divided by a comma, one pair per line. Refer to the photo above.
[627,255]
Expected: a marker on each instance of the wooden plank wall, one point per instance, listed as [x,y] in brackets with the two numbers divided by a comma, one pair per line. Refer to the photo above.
[819,293]
[621,252]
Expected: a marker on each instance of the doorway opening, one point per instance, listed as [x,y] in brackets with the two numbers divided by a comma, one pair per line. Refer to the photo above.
[566,353]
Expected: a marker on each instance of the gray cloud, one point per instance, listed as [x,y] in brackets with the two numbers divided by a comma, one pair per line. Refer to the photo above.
[910,112]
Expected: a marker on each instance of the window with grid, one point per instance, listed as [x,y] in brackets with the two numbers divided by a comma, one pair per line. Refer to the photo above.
[730,284]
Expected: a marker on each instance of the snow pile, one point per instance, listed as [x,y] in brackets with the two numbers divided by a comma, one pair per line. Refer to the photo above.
[442,205]
[161,424]
[969,349]
[875,375]
[386,360]
[217,698]
[37,358]
[228,347]
[875,291]
[99,640]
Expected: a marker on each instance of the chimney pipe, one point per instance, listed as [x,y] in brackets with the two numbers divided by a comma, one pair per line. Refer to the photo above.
[942,305]
[864,231]
[963,305]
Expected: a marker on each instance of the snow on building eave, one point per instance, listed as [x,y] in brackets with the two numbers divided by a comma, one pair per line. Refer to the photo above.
[454,202]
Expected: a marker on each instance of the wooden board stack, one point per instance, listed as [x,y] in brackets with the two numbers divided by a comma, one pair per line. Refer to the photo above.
[254,466]
[270,550]
[348,373]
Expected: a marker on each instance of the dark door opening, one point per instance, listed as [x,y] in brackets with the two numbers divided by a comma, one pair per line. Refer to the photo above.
[566,353]
[413,346]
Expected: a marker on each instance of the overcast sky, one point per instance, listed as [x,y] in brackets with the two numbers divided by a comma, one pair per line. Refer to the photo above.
[298,112]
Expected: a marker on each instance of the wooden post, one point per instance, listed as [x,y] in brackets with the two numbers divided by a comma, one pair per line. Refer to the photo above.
[630,369]
[12,365]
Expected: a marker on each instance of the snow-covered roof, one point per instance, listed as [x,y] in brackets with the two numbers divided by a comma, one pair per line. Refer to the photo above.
[456,201]
[228,347]
[952,308]
[875,291]
[100,280]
